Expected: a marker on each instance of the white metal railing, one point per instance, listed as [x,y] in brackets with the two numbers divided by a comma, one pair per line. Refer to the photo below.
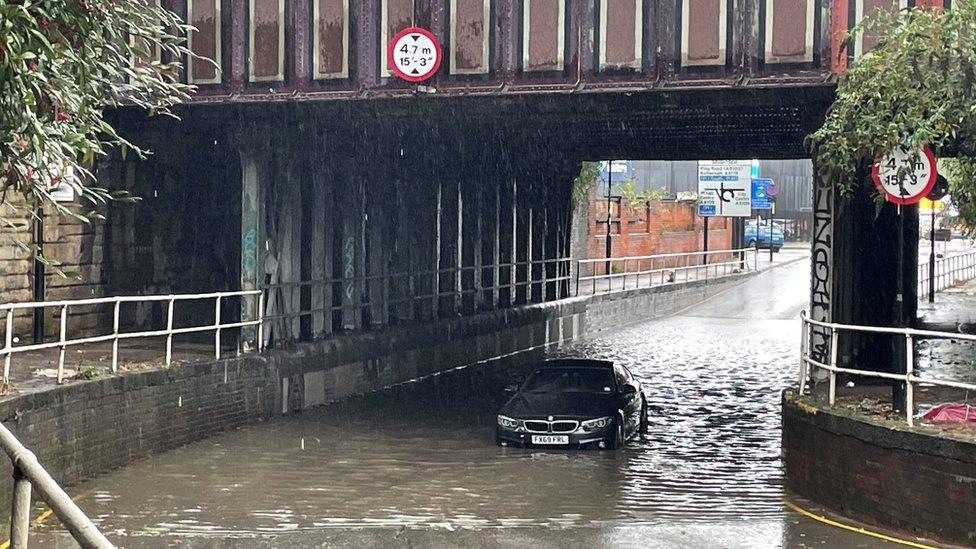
[948,271]
[661,269]
[832,332]
[30,475]
[63,341]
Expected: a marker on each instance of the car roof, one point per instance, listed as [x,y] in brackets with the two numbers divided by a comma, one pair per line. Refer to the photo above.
[577,363]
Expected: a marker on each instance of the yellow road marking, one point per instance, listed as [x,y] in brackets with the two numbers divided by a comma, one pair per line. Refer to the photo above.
[45,514]
[857,529]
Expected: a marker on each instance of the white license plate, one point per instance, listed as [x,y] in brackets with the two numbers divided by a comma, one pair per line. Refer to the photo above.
[550,439]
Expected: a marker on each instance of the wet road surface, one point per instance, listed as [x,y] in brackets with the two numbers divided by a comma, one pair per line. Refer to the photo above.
[420,467]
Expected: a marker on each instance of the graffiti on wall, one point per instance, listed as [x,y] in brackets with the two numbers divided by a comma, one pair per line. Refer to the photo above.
[349,266]
[820,286]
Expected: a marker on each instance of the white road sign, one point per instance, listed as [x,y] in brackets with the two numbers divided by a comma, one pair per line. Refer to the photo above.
[725,188]
[414,54]
[915,184]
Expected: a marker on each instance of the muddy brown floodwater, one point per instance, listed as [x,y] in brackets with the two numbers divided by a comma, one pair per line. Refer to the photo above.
[419,466]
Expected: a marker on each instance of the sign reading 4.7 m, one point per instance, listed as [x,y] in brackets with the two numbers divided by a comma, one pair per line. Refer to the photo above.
[414,54]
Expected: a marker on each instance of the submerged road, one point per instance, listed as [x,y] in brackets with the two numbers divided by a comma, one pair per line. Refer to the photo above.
[424,471]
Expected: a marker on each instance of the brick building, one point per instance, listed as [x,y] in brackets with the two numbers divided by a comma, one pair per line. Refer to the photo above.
[655,227]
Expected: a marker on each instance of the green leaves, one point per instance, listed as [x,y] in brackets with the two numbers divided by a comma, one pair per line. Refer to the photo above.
[582,183]
[915,87]
[62,62]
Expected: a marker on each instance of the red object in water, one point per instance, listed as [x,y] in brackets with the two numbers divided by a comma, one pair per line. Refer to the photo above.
[952,412]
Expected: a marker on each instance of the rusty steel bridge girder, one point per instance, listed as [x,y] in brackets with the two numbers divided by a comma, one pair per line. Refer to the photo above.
[278,50]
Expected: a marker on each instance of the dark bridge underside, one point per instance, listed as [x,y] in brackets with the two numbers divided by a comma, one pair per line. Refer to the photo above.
[720,123]
[383,211]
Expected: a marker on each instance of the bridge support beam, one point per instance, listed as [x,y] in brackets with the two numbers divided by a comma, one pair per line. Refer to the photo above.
[855,278]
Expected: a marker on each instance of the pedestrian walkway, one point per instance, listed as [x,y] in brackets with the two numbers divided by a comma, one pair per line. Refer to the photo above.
[954,309]
[794,251]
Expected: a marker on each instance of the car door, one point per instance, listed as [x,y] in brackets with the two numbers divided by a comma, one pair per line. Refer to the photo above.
[630,402]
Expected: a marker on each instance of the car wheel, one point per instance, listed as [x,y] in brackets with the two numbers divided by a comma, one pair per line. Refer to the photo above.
[776,249]
[617,441]
[643,419]
[752,244]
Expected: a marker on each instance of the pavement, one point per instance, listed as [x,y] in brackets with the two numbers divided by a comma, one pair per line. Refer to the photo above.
[954,310]
[719,266]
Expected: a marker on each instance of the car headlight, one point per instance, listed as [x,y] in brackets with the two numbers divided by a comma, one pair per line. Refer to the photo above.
[598,423]
[508,422]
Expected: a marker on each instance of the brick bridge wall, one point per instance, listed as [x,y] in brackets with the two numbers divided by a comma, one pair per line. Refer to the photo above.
[894,478]
[86,428]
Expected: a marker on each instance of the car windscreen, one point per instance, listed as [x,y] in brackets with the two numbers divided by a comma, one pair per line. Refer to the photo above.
[570,380]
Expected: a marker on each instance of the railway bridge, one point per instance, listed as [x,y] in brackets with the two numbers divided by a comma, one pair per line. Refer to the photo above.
[364,200]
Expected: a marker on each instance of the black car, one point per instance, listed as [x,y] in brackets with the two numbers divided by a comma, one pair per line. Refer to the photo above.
[574,403]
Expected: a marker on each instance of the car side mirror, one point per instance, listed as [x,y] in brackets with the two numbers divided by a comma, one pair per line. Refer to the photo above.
[628,390]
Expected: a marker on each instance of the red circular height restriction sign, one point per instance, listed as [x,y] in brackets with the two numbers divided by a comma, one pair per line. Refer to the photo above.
[414,54]
[916,183]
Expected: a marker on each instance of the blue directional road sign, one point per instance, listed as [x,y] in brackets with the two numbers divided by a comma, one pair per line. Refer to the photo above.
[760,198]
[706,209]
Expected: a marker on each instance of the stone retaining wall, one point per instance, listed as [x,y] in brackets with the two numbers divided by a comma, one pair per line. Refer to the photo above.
[895,478]
[85,428]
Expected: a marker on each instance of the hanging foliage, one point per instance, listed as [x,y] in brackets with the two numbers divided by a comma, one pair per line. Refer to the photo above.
[62,63]
[916,86]
[589,171]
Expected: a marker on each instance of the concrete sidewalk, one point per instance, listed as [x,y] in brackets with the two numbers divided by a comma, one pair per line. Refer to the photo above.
[954,309]
[794,252]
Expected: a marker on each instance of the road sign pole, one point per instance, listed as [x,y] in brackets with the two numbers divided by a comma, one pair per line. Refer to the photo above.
[770,237]
[756,239]
[705,244]
[932,258]
[900,352]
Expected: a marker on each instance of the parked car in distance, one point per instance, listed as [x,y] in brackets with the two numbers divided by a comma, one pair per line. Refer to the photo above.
[574,403]
[762,236]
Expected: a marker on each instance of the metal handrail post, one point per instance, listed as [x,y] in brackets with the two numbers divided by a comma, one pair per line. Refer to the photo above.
[64,337]
[834,338]
[67,511]
[260,344]
[20,511]
[578,267]
[8,343]
[804,350]
[115,334]
[217,328]
[169,331]
[909,371]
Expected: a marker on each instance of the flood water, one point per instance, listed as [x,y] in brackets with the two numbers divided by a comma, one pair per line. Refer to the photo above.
[419,467]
